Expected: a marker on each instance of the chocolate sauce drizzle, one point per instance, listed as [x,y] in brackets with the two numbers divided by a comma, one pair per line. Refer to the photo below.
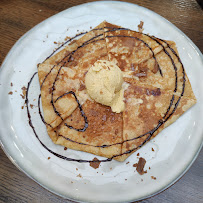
[144,44]
[62,45]
[40,113]
[65,62]
[33,128]
[81,111]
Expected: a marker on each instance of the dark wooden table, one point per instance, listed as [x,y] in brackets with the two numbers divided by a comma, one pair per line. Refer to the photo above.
[19,16]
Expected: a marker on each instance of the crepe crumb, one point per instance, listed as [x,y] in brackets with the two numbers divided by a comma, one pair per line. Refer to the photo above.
[95,163]
[55,42]
[138,154]
[11,84]
[79,175]
[22,107]
[71,182]
[152,177]
[153,149]
[82,87]
[24,90]
[49,157]
[65,148]
[67,38]
[76,169]
[140,166]
[140,26]
[10,93]
[128,162]
[31,106]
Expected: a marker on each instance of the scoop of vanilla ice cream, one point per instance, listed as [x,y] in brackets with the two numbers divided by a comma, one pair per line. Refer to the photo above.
[104,84]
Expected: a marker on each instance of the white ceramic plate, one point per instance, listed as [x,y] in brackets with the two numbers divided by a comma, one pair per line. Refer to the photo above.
[175,148]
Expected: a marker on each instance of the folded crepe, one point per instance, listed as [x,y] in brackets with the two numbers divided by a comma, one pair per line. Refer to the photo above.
[157,92]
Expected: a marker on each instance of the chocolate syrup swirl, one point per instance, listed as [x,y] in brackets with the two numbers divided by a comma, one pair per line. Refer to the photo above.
[53,87]
[62,45]
[144,44]
[81,111]
[65,62]
[40,113]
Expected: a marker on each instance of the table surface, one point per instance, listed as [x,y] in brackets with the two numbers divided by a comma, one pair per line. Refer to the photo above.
[19,16]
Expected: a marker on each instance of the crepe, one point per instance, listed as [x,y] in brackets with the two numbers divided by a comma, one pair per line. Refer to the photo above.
[155,81]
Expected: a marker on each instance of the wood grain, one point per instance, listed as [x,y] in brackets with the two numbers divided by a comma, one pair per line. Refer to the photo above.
[19,16]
